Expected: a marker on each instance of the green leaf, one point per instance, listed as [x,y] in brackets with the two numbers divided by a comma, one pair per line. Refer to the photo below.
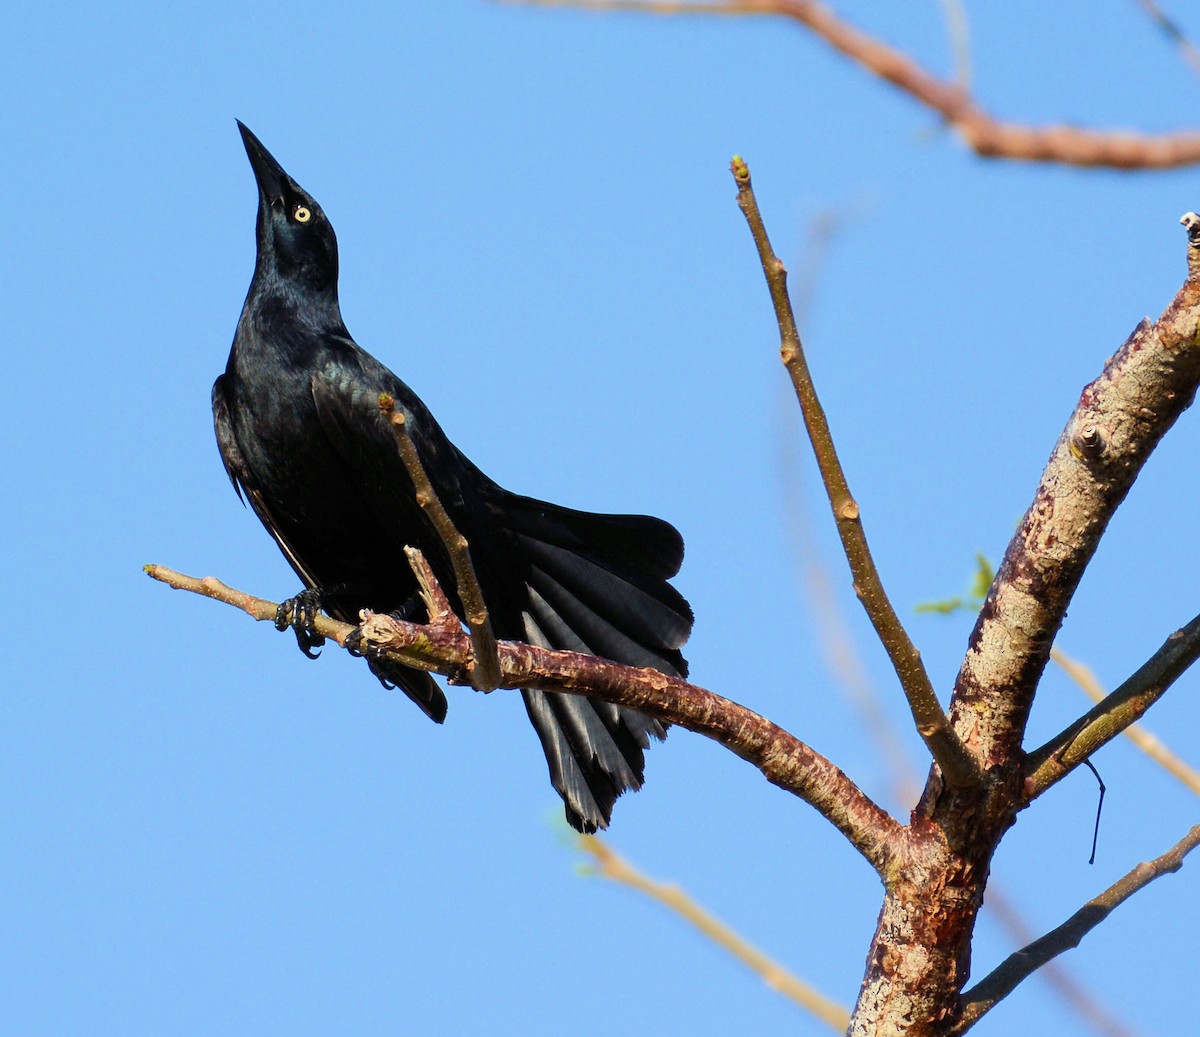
[985,573]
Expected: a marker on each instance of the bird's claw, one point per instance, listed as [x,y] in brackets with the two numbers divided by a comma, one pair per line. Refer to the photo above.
[354,645]
[409,612]
[300,613]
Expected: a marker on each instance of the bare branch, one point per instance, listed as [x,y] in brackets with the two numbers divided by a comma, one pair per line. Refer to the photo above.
[1118,421]
[443,647]
[956,764]
[1173,32]
[1003,980]
[1067,750]
[335,630]
[612,866]
[1074,996]
[960,41]
[982,132]
[485,667]
[255,608]
[1144,739]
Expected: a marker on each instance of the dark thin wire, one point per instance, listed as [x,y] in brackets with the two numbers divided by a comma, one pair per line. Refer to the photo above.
[1099,806]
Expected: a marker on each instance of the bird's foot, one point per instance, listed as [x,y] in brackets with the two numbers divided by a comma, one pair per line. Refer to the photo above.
[410,612]
[354,645]
[300,613]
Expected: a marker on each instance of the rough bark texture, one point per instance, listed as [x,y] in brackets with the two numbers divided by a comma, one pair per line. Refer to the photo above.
[1120,418]
[920,958]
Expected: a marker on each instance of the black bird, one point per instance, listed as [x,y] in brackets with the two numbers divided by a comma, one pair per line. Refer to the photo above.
[299,429]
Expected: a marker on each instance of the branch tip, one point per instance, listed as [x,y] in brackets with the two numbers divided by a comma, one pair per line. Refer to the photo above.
[1191,221]
[958,765]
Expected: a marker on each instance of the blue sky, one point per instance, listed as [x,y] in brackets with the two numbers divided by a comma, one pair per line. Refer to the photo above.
[206,833]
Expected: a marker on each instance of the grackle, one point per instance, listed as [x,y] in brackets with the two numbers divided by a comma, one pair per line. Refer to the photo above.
[302,438]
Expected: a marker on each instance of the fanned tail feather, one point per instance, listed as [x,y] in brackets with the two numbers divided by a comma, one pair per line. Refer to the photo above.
[597,584]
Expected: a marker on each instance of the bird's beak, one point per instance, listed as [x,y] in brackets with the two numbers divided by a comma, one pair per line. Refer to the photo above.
[269,173]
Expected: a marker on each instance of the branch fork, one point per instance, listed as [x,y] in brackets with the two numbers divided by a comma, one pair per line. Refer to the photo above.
[484,668]
[386,634]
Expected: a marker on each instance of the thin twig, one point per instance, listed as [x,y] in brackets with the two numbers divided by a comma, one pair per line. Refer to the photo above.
[843,655]
[1136,733]
[612,866]
[256,608]
[485,669]
[1003,980]
[1081,1001]
[956,763]
[982,132]
[444,647]
[262,610]
[960,42]
[1064,752]
[1173,32]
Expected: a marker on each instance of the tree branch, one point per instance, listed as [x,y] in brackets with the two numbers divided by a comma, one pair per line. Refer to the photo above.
[1139,735]
[960,42]
[1064,752]
[443,647]
[1003,980]
[612,866]
[956,763]
[982,132]
[1116,425]
[1171,30]
[485,667]
[1081,1001]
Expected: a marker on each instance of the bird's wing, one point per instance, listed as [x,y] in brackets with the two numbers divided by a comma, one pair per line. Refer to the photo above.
[347,406]
[346,396]
[416,684]
[243,479]
[550,576]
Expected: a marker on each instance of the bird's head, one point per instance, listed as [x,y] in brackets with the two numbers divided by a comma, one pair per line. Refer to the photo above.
[295,240]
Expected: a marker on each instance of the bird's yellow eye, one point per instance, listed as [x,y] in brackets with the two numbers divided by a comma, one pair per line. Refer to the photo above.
[302,214]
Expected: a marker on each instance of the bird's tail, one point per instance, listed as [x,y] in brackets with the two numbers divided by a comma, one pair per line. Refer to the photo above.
[416,684]
[597,584]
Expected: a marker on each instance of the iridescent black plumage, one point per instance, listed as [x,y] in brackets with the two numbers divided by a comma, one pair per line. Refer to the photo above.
[298,426]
